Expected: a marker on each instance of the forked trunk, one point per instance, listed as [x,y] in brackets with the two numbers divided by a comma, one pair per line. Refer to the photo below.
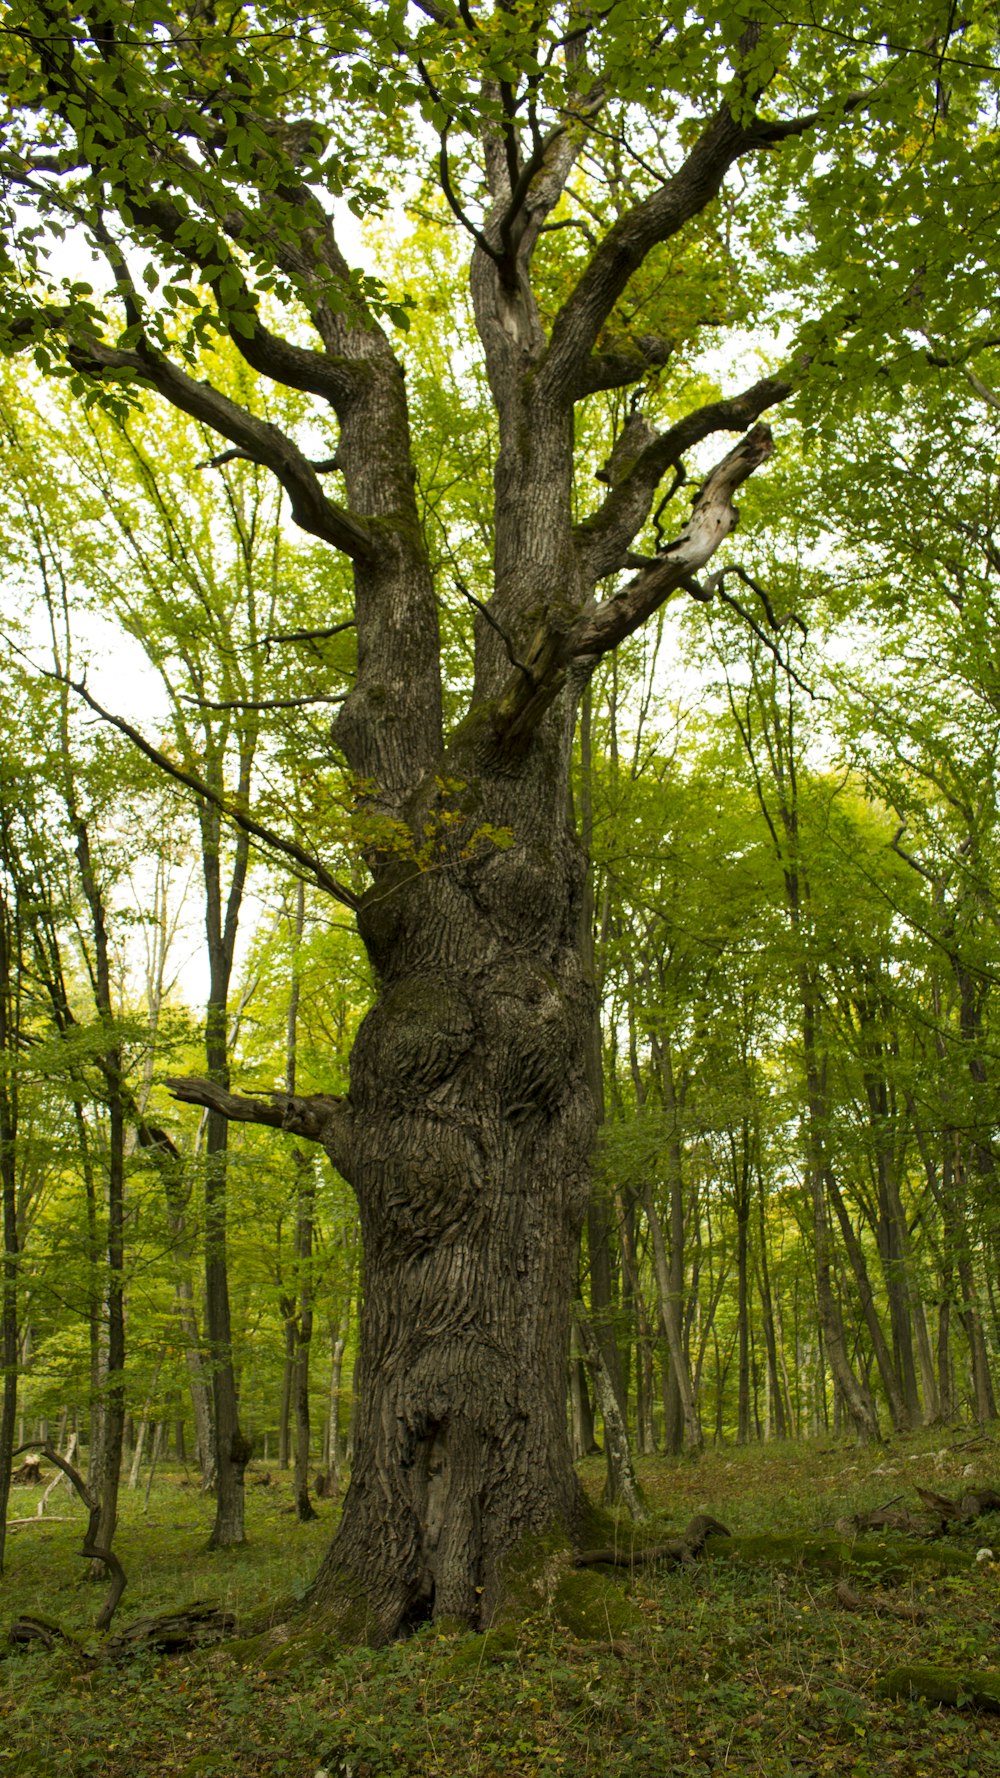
[472,1124]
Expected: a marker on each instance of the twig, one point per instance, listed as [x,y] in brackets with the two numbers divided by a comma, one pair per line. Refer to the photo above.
[264,703]
[485,612]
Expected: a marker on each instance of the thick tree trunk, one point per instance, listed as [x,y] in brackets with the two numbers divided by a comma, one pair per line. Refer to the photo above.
[471,1131]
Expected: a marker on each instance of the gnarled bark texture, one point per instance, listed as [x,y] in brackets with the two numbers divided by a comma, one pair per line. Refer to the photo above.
[472,1122]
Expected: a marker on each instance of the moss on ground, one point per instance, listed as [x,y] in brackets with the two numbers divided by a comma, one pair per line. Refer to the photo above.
[940,1685]
[594,1608]
[881,1559]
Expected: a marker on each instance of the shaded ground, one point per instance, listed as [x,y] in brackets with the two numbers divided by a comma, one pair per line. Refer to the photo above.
[729,1670]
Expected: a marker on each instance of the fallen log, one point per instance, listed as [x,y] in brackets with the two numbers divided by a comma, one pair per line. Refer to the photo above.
[198,1625]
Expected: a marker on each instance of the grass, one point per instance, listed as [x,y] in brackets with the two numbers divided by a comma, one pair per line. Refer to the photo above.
[731,1670]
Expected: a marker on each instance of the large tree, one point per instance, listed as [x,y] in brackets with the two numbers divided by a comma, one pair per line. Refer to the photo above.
[622,178]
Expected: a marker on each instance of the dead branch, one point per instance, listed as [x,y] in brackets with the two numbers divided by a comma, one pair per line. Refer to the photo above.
[91,1549]
[845,1595]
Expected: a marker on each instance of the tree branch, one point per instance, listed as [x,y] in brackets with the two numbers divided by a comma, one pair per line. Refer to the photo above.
[91,1549]
[316,871]
[317,1117]
[617,368]
[258,439]
[604,538]
[603,624]
[625,246]
[264,703]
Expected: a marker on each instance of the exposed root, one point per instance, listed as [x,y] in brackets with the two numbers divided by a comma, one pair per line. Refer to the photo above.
[676,1549]
[845,1595]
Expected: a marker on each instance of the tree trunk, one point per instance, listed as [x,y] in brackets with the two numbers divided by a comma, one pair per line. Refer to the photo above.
[287,1307]
[9,1045]
[333,1453]
[670,1317]
[305,1210]
[232,1449]
[600,1211]
[177,1194]
[468,1129]
[780,1414]
[615,1428]
[742,1175]
[471,1126]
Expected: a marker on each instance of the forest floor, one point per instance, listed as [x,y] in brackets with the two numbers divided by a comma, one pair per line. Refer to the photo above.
[728,1669]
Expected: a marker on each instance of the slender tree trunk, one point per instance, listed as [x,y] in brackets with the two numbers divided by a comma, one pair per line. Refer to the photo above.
[9,1036]
[107,1470]
[299,1318]
[177,1193]
[742,1175]
[303,1330]
[600,1211]
[287,1307]
[232,1449]
[615,1429]
[672,1327]
[857,1395]
[780,1416]
[898,1412]
[334,1447]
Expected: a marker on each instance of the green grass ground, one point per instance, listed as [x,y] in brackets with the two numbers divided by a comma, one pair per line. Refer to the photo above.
[729,1669]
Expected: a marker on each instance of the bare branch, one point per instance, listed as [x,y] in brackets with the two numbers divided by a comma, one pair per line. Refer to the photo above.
[309,635]
[485,612]
[604,539]
[316,1117]
[264,703]
[91,1549]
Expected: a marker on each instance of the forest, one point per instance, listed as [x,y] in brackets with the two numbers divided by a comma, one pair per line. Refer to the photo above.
[498,940]
[792,915]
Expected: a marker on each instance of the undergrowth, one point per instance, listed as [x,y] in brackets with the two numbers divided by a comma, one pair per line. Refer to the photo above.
[728,1670]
